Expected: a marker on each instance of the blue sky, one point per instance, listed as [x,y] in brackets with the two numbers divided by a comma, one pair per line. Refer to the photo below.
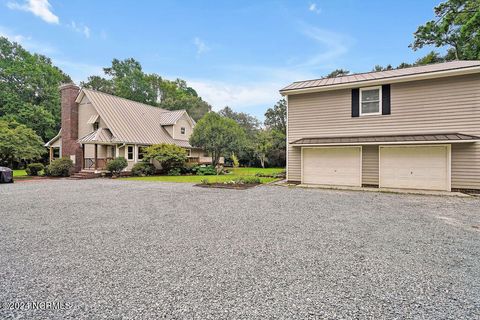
[236,53]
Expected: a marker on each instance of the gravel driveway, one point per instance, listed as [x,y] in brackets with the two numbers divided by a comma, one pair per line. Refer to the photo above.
[141,250]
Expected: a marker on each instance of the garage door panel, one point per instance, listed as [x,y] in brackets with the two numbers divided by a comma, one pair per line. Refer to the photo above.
[416,167]
[332,166]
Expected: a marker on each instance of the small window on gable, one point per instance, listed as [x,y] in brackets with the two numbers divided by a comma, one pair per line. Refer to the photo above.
[95,126]
[183,130]
[370,101]
[130,153]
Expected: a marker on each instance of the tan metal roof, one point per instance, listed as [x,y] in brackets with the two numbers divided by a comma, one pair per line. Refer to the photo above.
[101,135]
[131,121]
[171,117]
[58,136]
[380,75]
[93,119]
[410,138]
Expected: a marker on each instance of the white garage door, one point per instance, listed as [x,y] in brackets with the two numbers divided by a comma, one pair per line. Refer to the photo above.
[332,166]
[415,167]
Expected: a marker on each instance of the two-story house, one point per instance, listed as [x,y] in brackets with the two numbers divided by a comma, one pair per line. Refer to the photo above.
[97,127]
[415,128]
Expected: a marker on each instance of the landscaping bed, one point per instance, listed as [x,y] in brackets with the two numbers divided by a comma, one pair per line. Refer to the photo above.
[228,186]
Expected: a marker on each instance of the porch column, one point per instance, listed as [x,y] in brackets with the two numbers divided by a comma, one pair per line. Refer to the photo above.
[95,156]
[51,154]
[83,156]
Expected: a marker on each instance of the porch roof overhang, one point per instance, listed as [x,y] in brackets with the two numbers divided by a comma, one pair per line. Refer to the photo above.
[435,138]
[99,136]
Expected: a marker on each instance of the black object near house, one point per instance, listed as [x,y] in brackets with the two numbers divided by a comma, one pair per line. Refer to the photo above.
[6,175]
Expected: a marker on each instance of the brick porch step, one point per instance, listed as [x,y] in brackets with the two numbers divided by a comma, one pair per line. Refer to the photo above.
[85,174]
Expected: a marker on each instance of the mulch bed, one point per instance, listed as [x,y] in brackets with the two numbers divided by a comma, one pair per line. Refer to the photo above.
[228,186]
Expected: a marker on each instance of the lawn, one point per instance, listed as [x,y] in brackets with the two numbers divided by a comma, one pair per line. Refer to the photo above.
[20,174]
[238,172]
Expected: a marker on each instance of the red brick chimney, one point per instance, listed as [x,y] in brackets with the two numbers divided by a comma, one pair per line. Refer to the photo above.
[70,148]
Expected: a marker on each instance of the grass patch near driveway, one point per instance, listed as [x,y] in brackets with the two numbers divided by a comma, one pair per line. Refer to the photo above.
[20,174]
[236,173]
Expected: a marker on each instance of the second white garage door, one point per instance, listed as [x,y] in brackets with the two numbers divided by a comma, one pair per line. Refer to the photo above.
[339,166]
[415,167]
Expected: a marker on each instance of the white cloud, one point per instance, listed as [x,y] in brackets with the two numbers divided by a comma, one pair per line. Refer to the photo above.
[334,45]
[240,96]
[313,8]
[27,42]
[200,45]
[40,8]
[80,28]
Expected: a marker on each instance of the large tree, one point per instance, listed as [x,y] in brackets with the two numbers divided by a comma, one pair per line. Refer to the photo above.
[276,117]
[29,89]
[126,79]
[263,145]
[457,26]
[18,143]
[219,136]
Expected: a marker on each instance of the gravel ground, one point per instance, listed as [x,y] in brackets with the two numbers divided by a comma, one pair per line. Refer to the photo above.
[140,250]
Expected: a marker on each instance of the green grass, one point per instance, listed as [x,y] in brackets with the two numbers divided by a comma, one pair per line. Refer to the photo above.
[20,174]
[238,172]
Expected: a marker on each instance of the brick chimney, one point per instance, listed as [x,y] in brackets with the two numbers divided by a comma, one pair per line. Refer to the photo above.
[70,148]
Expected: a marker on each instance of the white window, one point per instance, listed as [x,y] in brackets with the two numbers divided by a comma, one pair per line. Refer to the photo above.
[183,130]
[141,152]
[189,152]
[130,153]
[370,101]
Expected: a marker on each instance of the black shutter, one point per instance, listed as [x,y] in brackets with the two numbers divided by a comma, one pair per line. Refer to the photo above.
[355,102]
[386,99]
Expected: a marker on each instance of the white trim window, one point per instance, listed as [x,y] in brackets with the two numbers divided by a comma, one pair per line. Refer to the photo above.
[130,153]
[141,152]
[370,101]
[183,130]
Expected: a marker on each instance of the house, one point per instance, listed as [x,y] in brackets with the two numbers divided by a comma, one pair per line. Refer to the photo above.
[97,127]
[415,128]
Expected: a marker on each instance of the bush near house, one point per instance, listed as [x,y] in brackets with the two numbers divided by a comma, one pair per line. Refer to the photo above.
[169,156]
[33,169]
[59,168]
[206,171]
[116,165]
[143,169]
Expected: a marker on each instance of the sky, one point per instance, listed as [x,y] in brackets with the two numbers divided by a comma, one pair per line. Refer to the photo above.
[235,53]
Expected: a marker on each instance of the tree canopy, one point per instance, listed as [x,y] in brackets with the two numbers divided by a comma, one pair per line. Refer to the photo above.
[126,79]
[29,89]
[457,26]
[218,136]
[18,143]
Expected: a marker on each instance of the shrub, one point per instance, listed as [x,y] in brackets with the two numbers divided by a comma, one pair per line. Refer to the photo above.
[142,169]
[116,165]
[169,156]
[59,167]
[204,181]
[33,169]
[247,180]
[174,172]
[190,167]
[206,170]
[235,161]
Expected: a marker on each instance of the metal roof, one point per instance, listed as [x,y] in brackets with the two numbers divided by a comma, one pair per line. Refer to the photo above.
[379,75]
[131,121]
[58,136]
[171,117]
[410,138]
[93,119]
[101,135]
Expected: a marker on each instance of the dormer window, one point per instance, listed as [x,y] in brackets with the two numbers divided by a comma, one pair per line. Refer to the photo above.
[370,101]
[183,130]
[95,126]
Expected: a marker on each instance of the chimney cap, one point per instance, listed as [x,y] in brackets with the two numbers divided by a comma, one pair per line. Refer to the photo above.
[68,86]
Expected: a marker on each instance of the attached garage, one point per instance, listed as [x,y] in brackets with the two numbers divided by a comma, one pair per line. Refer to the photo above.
[415,167]
[335,166]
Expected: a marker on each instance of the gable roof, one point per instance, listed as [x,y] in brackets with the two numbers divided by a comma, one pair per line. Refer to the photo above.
[130,121]
[101,135]
[171,117]
[396,75]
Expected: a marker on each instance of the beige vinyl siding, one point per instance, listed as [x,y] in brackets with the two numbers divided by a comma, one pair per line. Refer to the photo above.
[370,165]
[427,106]
[182,122]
